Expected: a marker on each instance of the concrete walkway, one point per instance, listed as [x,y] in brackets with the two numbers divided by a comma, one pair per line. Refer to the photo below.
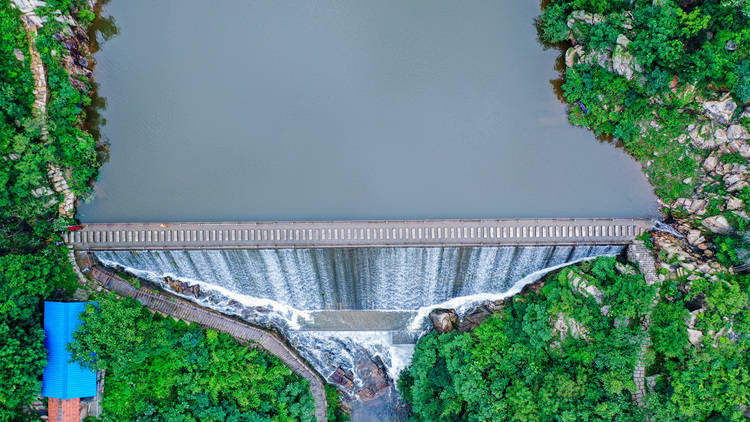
[189,312]
[341,234]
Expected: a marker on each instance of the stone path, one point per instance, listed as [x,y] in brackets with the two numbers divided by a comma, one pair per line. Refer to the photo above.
[338,234]
[32,23]
[637,252]
[188,312]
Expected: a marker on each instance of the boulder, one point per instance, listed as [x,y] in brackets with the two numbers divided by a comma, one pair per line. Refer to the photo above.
[737,186]
[443,320]
[737,133]
[693,206]
[735,203]
[720,111]
[581,286]
[623,63]
[622,40]
[343,378]
[583,16]
[571,53]
[702,138]
[694,237]
[731,45]
[602,58]
[717,224]
[710,162]
[565,325]
[473,319]
[695,337]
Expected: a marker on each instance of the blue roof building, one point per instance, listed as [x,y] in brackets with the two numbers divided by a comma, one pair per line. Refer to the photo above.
[64,379]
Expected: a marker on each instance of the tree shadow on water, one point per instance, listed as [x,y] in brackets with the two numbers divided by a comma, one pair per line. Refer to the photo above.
[560,67]
[101,30]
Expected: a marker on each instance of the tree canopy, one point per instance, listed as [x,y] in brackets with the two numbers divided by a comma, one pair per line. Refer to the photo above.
[159,369]
[558,355]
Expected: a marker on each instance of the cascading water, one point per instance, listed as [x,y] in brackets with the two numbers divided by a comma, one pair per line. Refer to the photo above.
[304,292]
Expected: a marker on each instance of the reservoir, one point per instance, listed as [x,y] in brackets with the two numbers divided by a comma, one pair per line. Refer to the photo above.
[246,110]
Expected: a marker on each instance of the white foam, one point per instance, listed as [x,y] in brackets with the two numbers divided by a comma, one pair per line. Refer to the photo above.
[465,303]
[288,313]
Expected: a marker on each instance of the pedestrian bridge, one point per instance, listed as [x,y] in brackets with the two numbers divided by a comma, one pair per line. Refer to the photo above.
[346,234]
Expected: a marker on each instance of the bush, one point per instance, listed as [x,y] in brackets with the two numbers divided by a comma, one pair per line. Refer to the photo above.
[160,369]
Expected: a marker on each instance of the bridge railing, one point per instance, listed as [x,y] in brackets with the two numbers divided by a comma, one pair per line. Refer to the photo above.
[337,234]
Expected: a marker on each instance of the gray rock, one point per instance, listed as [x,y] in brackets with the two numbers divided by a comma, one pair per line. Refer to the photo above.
[739,185]
[720,136]
[710,162]
[695,337]
[622,40]
[735,203]
[720,111]
[694,237]
[702,138]
[717,224]
[583,16]
[737,133]
[731,45]
[443,320]
[623,63]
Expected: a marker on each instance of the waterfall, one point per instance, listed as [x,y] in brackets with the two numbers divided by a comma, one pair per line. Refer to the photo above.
[318,297]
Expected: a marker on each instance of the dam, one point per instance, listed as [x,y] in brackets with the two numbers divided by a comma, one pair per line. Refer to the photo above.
[338,234]
[351,296]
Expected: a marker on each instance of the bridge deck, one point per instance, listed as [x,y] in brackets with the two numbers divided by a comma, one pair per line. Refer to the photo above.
[338,234]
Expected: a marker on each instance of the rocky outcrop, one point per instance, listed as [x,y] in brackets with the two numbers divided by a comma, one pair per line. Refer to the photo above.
[183,288]
[623,62]
[443,320]
[580,285]
[76,63]
[717,224]
[564,326]
[720,111]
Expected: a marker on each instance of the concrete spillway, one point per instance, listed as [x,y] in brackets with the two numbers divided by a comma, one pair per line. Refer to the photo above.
[346,306]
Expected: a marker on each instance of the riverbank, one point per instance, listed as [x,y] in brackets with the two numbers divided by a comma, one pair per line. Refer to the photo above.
[46,160]
[684,113]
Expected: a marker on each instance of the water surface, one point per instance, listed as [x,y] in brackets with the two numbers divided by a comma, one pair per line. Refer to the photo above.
[268,110]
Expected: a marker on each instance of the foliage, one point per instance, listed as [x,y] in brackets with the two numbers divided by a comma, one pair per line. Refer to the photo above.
[511,368]
[711,382]
[516,366]
[162,370]
[333,399]
[25,279]
[31,266]
[680,49]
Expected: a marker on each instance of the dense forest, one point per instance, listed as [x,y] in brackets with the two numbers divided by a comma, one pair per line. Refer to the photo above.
[162,370]
[561,353]
[33,267]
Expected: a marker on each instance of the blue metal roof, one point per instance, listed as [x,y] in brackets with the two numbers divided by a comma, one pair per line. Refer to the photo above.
[64,379]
